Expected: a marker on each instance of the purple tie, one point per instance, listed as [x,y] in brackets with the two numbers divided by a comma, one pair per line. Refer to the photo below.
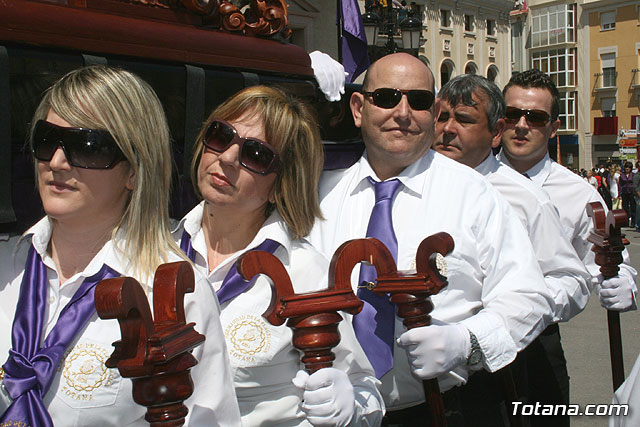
[31,367]
[187,248]
[233,283]
[374,325]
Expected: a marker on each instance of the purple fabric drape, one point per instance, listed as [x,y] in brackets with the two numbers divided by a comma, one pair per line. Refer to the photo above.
[31,368]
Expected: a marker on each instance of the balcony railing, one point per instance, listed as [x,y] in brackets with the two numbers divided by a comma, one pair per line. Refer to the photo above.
[605,125]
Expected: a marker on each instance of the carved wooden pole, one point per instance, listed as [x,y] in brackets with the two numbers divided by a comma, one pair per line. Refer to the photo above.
[608,245]
[409,291]
[155,354]
[313,316]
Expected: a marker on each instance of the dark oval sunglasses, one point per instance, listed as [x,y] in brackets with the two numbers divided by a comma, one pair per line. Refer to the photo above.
[533,117]
[385,97]
[255,155]
[83,148]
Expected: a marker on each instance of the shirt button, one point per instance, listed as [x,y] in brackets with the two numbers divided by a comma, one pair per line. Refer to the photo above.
[52,299]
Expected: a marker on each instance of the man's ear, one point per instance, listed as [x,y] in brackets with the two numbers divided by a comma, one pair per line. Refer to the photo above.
[357,103]
[498,129]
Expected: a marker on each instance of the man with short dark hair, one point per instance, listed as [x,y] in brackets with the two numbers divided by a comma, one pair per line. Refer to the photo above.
[470,124]
[496,301]
[532,108]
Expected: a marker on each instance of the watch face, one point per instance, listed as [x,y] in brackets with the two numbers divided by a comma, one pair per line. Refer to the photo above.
[475,357]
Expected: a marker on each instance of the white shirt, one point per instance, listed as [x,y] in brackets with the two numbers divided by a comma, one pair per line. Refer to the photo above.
[613,184]
[570,194]
[496,288]
[628,393]
[263,359]
[86,392]
[564,273]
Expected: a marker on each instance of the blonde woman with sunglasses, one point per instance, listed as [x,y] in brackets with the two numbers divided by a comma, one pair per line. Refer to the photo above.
[257,163]
[100,143]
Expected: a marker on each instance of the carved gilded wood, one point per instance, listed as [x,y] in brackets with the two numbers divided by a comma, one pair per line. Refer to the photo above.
[249,17]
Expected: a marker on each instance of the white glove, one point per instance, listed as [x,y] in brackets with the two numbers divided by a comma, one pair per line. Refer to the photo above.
[616,294]
[436,349]
[329,74]
[328,398]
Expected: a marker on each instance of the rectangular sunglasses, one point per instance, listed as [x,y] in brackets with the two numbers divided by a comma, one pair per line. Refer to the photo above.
[533,117]
[255,155]
[385,97]
[83,148]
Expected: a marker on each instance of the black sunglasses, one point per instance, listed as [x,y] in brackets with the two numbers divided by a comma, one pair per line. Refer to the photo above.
[533,117]
[385,97]
[255,155]
[83,148]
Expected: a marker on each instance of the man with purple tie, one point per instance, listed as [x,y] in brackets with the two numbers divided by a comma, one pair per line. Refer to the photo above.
[496,301]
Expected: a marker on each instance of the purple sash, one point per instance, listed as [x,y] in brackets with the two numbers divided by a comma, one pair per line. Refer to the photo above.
[30,368]
[233,283]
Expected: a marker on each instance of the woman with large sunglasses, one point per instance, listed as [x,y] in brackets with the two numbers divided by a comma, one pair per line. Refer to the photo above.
[101,146]
[257,162]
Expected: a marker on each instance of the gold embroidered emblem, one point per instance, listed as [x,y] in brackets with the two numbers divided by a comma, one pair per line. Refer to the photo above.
[84,369]
[441,264]
[1,374]
[247,336]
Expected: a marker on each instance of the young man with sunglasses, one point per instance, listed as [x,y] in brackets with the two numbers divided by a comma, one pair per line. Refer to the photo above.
[532,107]
[470,124]
[400,192]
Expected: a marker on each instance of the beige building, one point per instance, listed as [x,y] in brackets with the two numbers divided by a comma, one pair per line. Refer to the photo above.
[467,37]
[458,36]
[612,85]
[314,25]
[590,49]
[545,35]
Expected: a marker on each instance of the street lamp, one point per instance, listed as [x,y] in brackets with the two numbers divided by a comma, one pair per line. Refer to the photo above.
[410,28]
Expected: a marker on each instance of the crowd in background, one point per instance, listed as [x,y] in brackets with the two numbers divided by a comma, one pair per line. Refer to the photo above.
[618,185]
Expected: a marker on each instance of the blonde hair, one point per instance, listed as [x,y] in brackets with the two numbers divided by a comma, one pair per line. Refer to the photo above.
[291,127]
[112,99]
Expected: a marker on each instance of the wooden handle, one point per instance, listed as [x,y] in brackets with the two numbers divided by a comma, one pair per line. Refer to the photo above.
[313,317]
[156,355]
[608,244]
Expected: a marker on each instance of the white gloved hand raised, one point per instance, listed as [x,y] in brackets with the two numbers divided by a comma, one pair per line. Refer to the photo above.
[328,398]
[329,73]
[436,349]
[616,294]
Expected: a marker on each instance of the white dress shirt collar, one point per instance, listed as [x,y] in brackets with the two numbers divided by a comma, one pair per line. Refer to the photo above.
[412,177]
[274,228]
[39,235]
[488,166]
[538,173]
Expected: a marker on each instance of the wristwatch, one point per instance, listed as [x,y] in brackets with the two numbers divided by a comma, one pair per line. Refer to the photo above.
[475,356]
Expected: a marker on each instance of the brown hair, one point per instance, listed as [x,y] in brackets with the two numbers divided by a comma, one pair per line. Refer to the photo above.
[290,126]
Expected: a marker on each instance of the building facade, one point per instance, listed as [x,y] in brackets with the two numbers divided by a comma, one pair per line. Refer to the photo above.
[612,86]
[467,37]
[545,36]
[590,49]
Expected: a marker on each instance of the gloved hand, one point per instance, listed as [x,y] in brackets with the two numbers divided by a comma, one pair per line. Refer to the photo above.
[329,74]
[436,349]
[328,398]
[616,294]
